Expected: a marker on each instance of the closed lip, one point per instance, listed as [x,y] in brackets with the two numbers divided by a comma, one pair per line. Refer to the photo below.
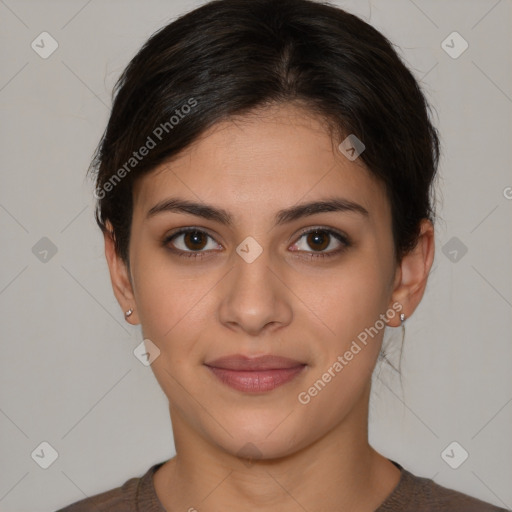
[240,362]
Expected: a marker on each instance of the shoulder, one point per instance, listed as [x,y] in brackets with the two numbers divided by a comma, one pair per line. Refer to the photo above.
[119,499]
[424,495]
[125,498]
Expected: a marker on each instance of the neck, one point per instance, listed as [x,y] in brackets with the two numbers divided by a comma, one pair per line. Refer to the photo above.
[339,471]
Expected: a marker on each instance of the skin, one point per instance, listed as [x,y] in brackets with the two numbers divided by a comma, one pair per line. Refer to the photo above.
[314,456]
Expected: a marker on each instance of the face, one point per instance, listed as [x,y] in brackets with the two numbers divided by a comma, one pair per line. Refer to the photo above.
[260,275]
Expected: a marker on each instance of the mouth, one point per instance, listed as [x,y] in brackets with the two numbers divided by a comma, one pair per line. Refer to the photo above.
[257,374]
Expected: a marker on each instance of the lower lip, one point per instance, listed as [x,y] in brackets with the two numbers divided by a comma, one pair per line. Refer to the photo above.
[256,381]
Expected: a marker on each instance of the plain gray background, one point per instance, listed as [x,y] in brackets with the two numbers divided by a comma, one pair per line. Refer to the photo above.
[68,373]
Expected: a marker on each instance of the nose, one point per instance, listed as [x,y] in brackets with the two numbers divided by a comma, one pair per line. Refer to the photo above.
[255,297]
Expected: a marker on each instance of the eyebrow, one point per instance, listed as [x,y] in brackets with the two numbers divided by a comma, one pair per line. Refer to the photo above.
[287,215]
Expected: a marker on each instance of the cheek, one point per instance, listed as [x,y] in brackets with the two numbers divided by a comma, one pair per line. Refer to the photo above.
[168,295]
[176,307]
[351,303]
[172,309]
[353,297]
[351,306]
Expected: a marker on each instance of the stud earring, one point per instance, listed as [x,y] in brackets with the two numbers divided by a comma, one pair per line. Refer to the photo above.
[128,313]
[402,317]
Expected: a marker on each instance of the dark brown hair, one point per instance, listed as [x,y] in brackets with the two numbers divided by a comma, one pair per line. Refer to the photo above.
[231,57]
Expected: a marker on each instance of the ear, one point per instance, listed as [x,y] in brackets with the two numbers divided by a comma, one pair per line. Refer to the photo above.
[120,277]
[412,274]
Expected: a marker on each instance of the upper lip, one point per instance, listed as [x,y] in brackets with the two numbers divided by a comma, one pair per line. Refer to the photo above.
[241,362]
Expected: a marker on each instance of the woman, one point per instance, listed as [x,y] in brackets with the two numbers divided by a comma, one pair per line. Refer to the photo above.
[264,189]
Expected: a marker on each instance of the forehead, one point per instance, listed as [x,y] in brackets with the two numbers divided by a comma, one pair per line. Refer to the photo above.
[261,163]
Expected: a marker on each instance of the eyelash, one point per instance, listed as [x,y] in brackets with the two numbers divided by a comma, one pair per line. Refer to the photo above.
[313,255]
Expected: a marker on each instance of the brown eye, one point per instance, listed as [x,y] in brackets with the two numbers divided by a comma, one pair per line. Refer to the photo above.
[190,242]
[318,240]
[195,240]
[321,243]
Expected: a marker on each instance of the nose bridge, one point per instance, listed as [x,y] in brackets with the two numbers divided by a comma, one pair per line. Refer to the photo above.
[253,276]
[254,296]
[253,281]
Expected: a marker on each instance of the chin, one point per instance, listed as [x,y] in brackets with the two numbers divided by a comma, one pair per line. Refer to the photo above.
[264,441]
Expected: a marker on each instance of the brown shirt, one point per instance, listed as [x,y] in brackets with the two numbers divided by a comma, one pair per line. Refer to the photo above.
[412,494]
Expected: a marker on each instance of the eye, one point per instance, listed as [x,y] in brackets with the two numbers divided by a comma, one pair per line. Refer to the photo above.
[193,243]
[189,242]
[320,239]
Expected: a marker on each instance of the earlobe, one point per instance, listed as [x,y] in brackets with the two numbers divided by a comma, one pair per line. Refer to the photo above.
[412,274]
[120,278]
